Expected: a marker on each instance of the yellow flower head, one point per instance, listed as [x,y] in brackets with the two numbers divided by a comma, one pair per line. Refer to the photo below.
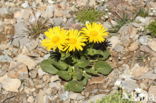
[75,41]
[55,38]
[95,32]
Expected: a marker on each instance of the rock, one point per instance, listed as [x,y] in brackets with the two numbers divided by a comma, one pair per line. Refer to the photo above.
[92,3]
[25,4]
[149,75]
[41,97]
[152,44]
[93,99]
[138,70]
[143,40]
[49,12]
[129,85]
[76,96]
[134,46]
[114,40]
[23,14]
[96,80]
[41,72]
[153,62]
[51,1]
[32,44]
[9,30]
[5,58]
[30,99]
[58,12]
[140,19]
[20,28]
[143,21]
[10,84]
[33,74]
[119,48]
[81,2]
[18,70]
[64,96]
[54,78]
[107,25]
[26,60]
[57,21]
[152,93]
[128,30]
[4,11]
[148,50]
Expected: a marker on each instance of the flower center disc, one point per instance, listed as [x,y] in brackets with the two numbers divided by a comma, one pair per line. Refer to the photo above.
[94,33]
[55,39]
[72,41]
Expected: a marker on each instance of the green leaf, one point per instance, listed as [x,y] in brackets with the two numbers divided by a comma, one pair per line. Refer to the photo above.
[85,81]
[91,71]
[93,52]
[60,65]
[64,75]
[105,54]
[48,67]
[77,74]
[75,86]
[82,63]
[103,67]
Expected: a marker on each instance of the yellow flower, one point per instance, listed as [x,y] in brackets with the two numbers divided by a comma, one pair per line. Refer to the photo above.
[75,41]
[95,32]
[55,38]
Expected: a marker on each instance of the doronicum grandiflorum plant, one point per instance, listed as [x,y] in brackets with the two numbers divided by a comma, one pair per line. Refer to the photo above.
[76,55]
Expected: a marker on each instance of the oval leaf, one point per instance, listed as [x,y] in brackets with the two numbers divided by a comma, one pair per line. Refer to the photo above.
[48,67]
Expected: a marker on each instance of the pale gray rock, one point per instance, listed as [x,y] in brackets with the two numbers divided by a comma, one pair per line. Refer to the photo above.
[4,11]
[93,99]
[119,48]
[143,40]
[20,28]
[152,44]
[5,58]
[129,85]
[149,75]
[57,21]
[10,84]
[76,96]
[49,12]
[114,40]
[25,4]
[26,60]
[64,96]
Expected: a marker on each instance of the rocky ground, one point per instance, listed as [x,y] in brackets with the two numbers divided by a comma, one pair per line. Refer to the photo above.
[133,53]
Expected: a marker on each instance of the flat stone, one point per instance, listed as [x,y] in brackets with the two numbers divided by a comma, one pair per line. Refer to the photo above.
[143,40]
[10,84]
[25,4]
[152,93]
[133,46]
[96,80]
[4,11]
[5,58]
[81,2]
[119,48]
[20,28]
[152,44]
[18,70]
[114,40]
[129,85]
[93,99]
[26,60]
[138,70]
[49,12]
[76,96]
